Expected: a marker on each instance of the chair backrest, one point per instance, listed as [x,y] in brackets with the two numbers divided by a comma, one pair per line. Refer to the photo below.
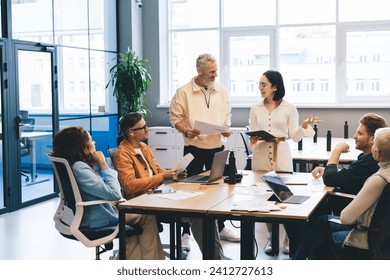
[69,195]
[27,122]
[65,179]
[24,114]
[245,139]
[379,233]
[111,153]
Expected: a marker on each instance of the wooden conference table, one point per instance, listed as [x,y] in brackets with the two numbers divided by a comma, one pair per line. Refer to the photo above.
[316,153]
[217,201]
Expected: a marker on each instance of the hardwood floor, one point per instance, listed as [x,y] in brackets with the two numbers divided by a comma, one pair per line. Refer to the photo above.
[29,234]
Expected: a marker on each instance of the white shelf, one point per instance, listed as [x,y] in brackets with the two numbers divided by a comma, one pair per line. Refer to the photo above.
[167,145]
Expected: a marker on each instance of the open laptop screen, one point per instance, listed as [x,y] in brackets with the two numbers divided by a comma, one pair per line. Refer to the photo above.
[277,185]
[216,171]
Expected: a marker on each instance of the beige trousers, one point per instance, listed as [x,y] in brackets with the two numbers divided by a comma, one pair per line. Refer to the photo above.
[146,246]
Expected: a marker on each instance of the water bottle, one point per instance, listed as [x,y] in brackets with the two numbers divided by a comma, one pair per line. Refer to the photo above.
[300,145]
[328,140]
[346,130]
[232,168]
[315,133]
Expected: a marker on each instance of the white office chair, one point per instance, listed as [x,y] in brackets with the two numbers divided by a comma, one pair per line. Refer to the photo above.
[70,211]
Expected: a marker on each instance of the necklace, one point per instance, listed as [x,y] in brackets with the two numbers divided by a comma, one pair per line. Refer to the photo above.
[205,98]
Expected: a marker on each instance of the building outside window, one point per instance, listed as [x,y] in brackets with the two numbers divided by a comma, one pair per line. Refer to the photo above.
[321,47]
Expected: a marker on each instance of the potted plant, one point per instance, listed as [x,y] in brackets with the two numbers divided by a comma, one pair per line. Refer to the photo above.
[130,78]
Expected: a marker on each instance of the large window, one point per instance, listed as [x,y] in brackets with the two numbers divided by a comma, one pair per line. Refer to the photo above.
[84,32]
[328,53]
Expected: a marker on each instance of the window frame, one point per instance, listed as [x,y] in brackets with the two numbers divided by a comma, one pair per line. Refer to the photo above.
[341,74]
[342,29]
[224,71]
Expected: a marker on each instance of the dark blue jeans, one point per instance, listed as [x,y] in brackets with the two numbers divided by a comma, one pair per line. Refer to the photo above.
[324,240]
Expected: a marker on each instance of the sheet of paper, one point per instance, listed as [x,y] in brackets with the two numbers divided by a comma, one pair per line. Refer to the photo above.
[255,189]
[255,206]
[208,128]
[182,163]
[179,195]
[292,179]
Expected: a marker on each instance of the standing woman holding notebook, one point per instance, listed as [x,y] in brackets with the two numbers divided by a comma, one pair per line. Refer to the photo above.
[280,118]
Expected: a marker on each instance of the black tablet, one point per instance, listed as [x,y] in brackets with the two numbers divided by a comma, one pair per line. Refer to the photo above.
[263,134]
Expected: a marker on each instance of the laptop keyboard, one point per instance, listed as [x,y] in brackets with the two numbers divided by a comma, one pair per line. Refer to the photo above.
[296,199]
[204,178]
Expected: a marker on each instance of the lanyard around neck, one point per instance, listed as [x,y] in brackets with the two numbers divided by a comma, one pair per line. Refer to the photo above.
[205,98]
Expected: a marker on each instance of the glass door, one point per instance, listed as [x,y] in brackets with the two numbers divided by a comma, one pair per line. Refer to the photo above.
[35,92]
[2,185]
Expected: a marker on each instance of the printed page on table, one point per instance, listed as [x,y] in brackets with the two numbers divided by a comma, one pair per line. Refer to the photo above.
[255,206]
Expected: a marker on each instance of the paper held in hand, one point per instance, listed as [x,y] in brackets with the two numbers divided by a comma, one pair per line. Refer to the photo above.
[182,163]
[208,128]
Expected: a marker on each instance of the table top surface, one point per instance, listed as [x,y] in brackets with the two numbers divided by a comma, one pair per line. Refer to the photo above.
[317,151]
[219,198]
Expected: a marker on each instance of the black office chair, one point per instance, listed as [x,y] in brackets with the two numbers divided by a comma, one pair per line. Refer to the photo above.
[379,229]
[379,232]
[26,121]
[27,125]
[248,150]
[70,211]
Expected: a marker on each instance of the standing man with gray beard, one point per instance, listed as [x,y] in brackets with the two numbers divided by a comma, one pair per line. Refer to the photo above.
[202,99]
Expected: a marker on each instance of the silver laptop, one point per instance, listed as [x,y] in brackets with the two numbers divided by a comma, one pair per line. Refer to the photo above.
[216,172]
[280,189]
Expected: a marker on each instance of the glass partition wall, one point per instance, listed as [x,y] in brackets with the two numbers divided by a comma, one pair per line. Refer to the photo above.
[58,84]
[2,188]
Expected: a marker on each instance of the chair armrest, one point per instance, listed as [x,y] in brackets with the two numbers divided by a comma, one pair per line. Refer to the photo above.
[347,195]
[336,221]
[96,202]
[330,190]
